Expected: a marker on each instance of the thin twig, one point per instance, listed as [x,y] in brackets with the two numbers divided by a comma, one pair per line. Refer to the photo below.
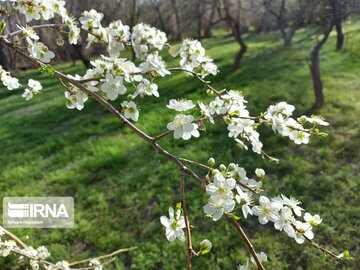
[112,254]
[206,83]
[316,245]
[162,135]
[52,25]
[248,243]
[190,251]
[14,237]
[197,164]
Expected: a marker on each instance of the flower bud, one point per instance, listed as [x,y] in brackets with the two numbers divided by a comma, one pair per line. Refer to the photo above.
[231,167]
[209,92]
[260,173]
[205,247]
[211,162]
[222,167]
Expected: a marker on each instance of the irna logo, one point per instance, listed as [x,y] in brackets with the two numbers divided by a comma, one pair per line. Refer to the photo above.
[21,210]
[38,212]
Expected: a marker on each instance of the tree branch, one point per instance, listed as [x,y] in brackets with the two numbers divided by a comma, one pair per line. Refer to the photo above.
[190,251]
[248,243]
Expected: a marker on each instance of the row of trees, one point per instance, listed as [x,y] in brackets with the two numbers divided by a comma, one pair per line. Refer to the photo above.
[197,18]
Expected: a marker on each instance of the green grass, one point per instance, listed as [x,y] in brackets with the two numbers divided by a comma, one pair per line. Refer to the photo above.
[121,186]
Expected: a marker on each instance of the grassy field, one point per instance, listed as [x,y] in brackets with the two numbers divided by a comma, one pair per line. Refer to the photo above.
[121,186]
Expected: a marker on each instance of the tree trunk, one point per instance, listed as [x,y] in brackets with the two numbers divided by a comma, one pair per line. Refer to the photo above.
[199,27]
[315,68]
[82,56]
[243,47]
[161,20]
[287,40]
[316,77]
[177,20]
[238,57]
[340,36]
[287,36]
[4,61]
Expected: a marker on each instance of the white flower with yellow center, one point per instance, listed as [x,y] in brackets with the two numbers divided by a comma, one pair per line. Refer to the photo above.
[174,225]
[183,127]
[40,51]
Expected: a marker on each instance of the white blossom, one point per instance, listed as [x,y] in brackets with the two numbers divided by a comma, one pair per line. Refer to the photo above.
[75,98]
[183,127]
[292,203]
[146,39]
[91,19]
[130,110]
[285,221]
[113,87]
[174,225]
[39,51]
[28,32]
[205,110]
[245,200]
[266,210]
[217,106]
[180,105]
[303,230]
[34,87]
[146,88]
[96,264]
[314,119]
[8,81]
[262,257]
[313,220]
[154,62]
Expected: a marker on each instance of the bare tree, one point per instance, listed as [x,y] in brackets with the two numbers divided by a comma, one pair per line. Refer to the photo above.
[157,4]
[230,12]
[177,20]
[288,15]
[325,24]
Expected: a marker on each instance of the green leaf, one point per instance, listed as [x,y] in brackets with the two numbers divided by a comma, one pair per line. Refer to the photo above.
[47,70]
[174,50]
[233,216]
[347,256]
[2,26]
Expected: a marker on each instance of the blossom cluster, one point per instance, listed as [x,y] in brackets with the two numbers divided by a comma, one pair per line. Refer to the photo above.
[12,83]
[193,58]
[8,81]
[241,126]
[34,256]
[46,10]
[279,117]
[230,186]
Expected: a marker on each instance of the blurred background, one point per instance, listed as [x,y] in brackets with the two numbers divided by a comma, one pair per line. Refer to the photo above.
[304,52]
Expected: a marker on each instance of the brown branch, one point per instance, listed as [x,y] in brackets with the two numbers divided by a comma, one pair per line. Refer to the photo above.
[23,245]
[197,164]
[112,254]
[248,243]
[207,85]
[53,25]
[190,251]
[14,237]
[316,245]
[162,135]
